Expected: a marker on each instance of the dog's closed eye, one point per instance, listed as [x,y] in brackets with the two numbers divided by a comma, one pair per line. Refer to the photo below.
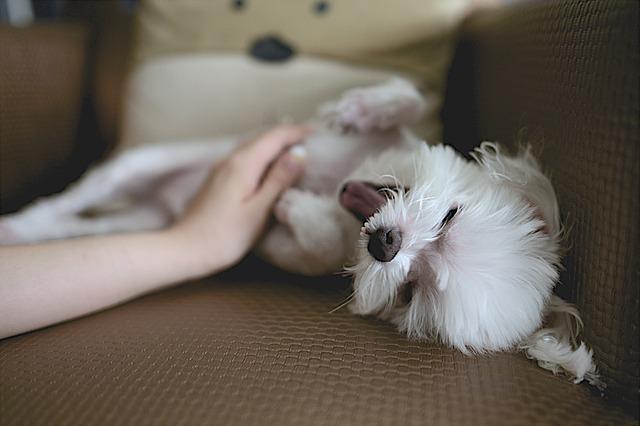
[447,218]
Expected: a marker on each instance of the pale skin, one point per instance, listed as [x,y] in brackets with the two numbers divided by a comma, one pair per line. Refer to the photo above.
[48,283]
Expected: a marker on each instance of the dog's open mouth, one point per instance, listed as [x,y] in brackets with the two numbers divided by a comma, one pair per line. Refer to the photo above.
[363,199]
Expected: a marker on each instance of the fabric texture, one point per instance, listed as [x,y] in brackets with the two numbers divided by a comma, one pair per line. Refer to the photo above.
[563,77]
[242,351]
[41,90]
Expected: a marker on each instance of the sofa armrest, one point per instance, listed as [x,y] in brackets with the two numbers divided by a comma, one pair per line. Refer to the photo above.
[562,76]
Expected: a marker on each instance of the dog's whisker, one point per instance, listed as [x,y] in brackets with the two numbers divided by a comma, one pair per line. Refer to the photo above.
[344,303]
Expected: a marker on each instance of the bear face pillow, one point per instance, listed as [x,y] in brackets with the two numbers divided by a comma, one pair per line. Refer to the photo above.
[212,68]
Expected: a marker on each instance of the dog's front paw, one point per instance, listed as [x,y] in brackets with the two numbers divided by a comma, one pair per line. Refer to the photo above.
[284,209]
[376,108]
[303,212]
[311,218]
[351,113]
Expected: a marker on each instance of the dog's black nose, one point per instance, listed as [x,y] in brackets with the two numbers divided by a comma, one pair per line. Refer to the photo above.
[271,49]
[384,244]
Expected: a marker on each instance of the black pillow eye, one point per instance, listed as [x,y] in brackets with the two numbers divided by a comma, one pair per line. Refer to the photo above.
[238,5]
[321,7]
[450,214]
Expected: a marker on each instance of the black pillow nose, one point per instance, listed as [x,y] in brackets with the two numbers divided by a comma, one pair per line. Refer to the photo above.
[384,244]
[271,49]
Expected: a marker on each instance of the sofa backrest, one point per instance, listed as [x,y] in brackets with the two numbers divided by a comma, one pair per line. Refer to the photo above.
[60,95]
[41,92]
[563,77]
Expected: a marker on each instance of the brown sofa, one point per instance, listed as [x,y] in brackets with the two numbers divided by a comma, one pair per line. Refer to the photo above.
[257,346]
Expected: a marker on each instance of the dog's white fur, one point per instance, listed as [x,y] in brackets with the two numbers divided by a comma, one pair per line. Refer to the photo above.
[480,282]
[483,282]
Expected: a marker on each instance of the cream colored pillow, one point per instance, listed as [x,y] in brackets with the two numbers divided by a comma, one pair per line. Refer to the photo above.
[201,95]
[194,75]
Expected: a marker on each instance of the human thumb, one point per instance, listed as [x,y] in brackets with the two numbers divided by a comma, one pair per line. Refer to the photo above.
[284,172]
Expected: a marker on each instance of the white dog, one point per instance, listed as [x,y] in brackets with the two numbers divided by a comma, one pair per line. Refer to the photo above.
[463,251]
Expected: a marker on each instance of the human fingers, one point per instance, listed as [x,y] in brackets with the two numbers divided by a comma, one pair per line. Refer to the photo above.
[262,152]
[282,174]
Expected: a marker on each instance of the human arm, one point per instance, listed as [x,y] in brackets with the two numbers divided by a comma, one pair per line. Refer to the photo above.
[47,283]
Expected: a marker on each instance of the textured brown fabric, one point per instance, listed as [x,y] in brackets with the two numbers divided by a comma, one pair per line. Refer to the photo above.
[236,351]
[111,40]
[567,74]
[41,89]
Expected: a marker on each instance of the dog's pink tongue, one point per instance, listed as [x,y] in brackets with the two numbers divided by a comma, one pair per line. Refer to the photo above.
[361,199]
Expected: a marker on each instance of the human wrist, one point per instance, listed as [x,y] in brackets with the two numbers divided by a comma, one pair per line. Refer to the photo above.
[200,255]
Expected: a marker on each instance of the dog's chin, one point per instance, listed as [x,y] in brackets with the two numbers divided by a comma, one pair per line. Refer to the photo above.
[380,288]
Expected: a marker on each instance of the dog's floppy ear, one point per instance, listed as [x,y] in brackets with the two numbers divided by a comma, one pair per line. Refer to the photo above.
[522,173]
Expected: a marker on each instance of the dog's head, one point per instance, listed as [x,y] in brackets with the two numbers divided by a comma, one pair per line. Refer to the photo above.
[466,251]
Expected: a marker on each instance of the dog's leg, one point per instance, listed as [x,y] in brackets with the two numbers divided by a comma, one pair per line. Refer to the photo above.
[130,172]
[129,175]
[51,217]
[310,238]
[382,107]
[139,218]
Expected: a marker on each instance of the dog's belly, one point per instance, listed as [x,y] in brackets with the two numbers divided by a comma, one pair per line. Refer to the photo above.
[332,156]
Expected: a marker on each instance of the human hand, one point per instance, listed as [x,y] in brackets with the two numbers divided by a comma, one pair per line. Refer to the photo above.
[232,208]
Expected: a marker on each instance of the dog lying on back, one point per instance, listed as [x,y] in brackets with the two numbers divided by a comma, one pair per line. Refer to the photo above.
[466,252]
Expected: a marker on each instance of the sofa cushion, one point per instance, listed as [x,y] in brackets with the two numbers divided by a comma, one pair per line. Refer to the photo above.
[237,350]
